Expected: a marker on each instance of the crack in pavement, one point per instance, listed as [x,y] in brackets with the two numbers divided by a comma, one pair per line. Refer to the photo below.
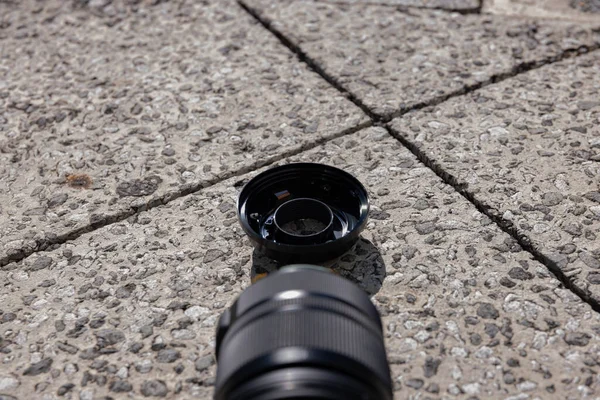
[514,71]
[48,244]
[376,120]
[382,120]
[310,62]
[506,226]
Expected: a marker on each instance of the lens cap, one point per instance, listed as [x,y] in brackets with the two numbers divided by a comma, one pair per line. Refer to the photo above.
[303,212]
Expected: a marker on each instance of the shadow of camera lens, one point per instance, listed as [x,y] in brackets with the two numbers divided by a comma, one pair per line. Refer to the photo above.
[363,265]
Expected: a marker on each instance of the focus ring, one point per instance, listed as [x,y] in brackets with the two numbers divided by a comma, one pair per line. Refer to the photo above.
[309,329]
[313,301]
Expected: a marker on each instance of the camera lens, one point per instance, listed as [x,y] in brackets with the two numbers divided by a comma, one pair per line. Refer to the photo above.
[302,333]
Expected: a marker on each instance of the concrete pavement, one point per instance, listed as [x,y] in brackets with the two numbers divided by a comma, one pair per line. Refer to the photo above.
[393,61]
[136,301]
[528,149]
[102,120]
[128,127]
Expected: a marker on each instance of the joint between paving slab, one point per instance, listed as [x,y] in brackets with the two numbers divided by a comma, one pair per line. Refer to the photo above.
[376,120]
[49,244]
[309,61]
[382,120]
[385,118]
[505,225]
[516,70]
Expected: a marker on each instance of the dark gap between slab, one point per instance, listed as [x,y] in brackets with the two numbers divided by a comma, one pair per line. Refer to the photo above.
[51,243]
[309,61]
[499,77]
[382,120]
[376,120]
[506,226]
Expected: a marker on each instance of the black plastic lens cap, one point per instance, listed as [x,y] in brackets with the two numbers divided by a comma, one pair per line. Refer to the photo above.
[303,212]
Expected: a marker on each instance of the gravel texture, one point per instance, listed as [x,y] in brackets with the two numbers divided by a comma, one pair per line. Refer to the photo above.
[130,309]
[107,106]
[392,60]
[529,150]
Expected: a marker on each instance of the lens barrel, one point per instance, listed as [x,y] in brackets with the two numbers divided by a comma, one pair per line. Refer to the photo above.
[302,333]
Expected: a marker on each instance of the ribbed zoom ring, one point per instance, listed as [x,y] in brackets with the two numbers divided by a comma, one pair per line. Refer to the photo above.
[344,339]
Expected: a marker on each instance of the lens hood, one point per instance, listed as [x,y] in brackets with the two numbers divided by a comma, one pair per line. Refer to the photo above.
[303,212]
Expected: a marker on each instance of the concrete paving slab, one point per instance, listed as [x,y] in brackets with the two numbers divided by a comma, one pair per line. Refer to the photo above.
[130,308]
[104,110]
[451,5]
[576,10]
[528,148]
[394,60]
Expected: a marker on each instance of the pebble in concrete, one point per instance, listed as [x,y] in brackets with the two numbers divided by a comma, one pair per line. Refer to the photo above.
[529,150]
[392,60]
[107,106]
[466,311]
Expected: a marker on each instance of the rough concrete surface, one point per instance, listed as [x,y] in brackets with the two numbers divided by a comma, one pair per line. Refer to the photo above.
[529,149]
[576,10]
[107,106]
[129,309]
[451,5]
[392,60]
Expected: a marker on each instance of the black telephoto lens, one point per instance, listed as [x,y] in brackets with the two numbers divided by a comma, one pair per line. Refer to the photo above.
[302,333]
